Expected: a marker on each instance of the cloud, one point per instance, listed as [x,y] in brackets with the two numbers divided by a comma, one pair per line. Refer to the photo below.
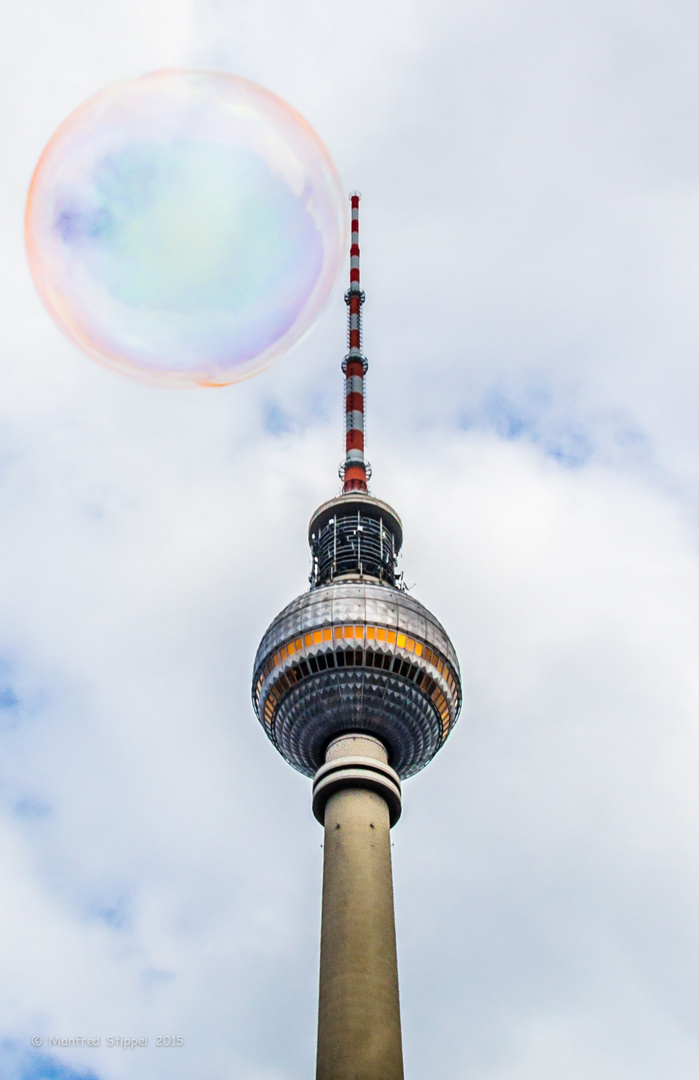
[529,226]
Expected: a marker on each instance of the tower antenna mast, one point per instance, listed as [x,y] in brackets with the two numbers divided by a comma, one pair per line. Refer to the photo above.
[354,470]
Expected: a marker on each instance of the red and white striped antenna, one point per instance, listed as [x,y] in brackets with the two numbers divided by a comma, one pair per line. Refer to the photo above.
[355,470]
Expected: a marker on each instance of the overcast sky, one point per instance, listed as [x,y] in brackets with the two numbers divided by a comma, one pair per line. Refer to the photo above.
[530,241]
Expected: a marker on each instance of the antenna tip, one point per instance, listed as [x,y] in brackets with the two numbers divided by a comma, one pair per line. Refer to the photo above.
[355,195]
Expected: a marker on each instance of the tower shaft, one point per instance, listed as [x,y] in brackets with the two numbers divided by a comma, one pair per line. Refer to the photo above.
[359,1034]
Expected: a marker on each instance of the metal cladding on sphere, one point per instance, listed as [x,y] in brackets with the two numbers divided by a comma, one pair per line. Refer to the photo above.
[357,656]
[357,653]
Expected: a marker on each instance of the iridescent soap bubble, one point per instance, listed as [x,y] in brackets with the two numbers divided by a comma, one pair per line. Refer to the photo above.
[185,227]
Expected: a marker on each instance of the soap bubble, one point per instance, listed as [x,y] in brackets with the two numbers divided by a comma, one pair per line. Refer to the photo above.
[185,227]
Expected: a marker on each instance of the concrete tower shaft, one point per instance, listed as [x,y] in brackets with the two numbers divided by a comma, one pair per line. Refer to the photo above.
[359,1032]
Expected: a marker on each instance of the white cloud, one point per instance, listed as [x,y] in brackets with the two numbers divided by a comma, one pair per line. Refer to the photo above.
[529,234]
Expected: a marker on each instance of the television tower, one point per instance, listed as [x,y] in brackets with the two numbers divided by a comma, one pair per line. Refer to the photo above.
[357,685]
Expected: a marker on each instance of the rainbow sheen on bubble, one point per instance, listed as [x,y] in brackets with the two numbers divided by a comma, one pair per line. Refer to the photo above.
[185,227]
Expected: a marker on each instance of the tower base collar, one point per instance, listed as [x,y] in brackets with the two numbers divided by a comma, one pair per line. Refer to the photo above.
[357,772]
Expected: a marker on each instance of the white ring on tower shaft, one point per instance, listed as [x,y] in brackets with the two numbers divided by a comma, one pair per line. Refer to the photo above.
[356,772]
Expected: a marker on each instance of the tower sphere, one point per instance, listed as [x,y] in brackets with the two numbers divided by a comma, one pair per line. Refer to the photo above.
[356,653]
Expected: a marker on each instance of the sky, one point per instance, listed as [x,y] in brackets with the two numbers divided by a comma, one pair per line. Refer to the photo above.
[530,253]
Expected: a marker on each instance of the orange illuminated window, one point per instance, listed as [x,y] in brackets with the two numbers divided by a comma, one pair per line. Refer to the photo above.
[401,641]
[349,631]
[327,634]
[370,632]
[410,644]
[276,660]
[440,666]
[338,631]
[308,640]
[288,649]
[317,637]
[359,631]
[381,634]
[391,637]
[418,648]
[299,644]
